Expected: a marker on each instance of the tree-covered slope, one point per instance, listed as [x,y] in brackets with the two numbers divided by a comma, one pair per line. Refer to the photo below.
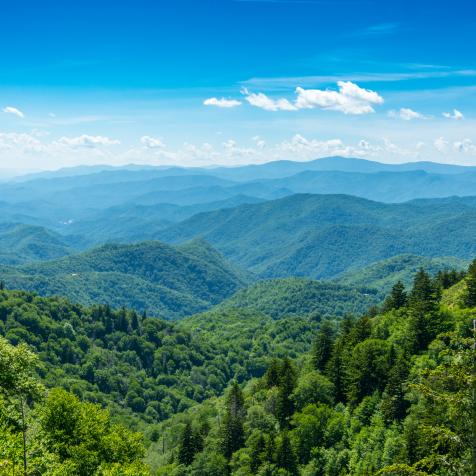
[146,369]
[322,236]
[387,395]
[301,296]
[382,275]
[162,279]
[21,243]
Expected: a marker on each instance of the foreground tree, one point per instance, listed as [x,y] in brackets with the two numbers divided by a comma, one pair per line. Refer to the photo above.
[233,432]
[470,297]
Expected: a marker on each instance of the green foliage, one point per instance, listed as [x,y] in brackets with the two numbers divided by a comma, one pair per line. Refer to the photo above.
[299,296]
[405,407]
[324,236]
[233,421]
[167,281]
[59,434]
[470,297]
[146,369]
[322,346]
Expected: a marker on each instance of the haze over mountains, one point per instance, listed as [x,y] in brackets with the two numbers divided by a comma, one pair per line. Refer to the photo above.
[323,219]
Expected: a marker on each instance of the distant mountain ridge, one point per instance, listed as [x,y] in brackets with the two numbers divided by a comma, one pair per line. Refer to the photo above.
[322,236]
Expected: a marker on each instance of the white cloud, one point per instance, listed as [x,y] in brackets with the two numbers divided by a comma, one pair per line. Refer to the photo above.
[260,142]
[349,99]
[406,114]
[465,146]
[222,102]
[264,102]
[441,144]
[456,115]
[14,111]
[20,142]
[152,142]
[87,141]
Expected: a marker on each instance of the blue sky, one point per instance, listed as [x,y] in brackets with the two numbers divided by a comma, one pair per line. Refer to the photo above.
[236,81]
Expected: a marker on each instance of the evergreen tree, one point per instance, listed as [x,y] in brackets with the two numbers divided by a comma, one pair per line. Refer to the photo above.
[257,453]
[322,346]
[285,402]
[233,432]
[397,298]
[186,452]
[470,298]
[285,457]
[335,370]
[273,374]
[394,405]
[425,323]
[360,331]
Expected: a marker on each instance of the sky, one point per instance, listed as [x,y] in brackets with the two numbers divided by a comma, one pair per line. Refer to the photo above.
[229,82]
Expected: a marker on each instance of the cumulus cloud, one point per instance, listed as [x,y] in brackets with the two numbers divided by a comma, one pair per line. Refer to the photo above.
[87,141]
[456,115]
[268,104]
[260,142]
[222,102]
[14,111]
[349,99]
[441,144]
[406,114]
[152,142]
[20,142]
[465,146]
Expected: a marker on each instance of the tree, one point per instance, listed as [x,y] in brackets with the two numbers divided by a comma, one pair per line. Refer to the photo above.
[367,370]
[470,298]
[322,346]
[425,320]
[272,374]
[285,457]
[257,452]
[398,297]
[335,370]
[285,401]
[18,384]
[394,406]
[233,434]
[186,452]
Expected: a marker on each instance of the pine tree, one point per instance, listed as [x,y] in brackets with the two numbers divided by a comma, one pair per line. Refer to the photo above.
[285,457]
[335,370]
[470,298]
[273,373]
[285,402]
[186,451]
[397,298]
[322,347]
[257,453]
[362,330]
[135,321]
[233,432]
[425,323]
[394,405]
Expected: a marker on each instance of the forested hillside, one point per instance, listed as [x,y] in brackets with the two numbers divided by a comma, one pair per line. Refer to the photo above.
[379,394]
[383,395]
[301,296]
[322,236]
[382,275]
[21,243]
[166,281]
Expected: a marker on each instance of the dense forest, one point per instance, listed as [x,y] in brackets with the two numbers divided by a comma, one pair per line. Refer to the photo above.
[112,392]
